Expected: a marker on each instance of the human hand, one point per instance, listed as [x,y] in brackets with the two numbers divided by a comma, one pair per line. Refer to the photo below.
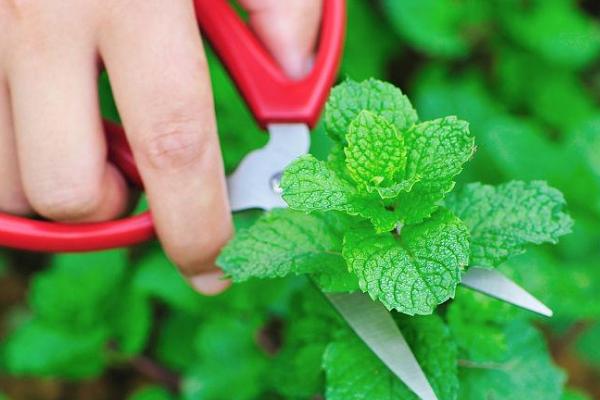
[53,154]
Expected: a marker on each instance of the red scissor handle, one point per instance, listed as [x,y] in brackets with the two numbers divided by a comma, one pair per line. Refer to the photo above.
[271,96]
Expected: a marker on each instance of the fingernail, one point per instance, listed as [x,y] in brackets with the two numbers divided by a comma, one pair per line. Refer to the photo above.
[210,283]
[297,66]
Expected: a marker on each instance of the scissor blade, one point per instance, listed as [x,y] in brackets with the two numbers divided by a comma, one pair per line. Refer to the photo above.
[376,327]
[255,182]
[495,284]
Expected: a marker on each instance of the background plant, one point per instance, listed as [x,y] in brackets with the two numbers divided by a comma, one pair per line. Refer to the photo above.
[524,74]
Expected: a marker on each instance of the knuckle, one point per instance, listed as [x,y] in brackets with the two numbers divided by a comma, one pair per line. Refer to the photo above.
[67,202]
[175,144]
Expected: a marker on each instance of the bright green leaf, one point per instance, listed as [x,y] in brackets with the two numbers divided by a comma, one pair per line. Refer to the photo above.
[348,99]
[437,151]
[355,373]
[283,242]
[504,219]
[375,153]
[158,278]
[36,349]
[132,322]
[525,372]
[310,185]
[413,273]
[151,393]
[78,290]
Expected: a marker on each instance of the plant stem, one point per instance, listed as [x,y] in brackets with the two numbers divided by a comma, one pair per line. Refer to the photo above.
[151,369]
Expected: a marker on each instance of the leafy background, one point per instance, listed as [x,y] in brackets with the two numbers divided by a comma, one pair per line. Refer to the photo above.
[524,73]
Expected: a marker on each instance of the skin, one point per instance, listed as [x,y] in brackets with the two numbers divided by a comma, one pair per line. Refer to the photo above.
[53,156]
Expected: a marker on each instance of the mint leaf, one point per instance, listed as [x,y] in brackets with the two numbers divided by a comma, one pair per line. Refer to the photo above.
[375,154]
[556,30]
[41,350]
[348,99]
[310,185]
[418,271]
[478,325]
[354,372]
[586,345]
[282,242]
[525,372]
[437,151]
[132,323]
[437,27]
[157,278]
[176,338]
[151,393]
[572,394]
[369,43]
[79,289]
[572,282]
[336,278]
[229,364]
[310,326]
[504,219]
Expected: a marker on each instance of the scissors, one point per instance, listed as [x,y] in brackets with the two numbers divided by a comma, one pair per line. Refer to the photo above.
[286,109]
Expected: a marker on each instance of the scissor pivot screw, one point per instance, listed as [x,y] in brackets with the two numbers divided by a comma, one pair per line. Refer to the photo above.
[275,183]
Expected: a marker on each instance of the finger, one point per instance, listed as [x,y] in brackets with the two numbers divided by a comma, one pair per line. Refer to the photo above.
[12,197]
[60,143]
[289,30]
[154,57]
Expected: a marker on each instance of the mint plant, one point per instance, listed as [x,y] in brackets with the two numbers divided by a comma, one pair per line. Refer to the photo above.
[378,215]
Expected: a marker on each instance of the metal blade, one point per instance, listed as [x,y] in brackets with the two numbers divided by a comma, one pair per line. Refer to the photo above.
[255,183]
[495,284]
[376,327]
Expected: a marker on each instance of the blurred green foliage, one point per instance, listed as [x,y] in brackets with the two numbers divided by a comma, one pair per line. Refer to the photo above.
[525,74]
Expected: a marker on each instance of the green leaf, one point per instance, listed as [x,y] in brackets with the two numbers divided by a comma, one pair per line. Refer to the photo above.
[337,278]
[229,363]
[369,44]
[283,242]
[565,286]
[525,372]
[375,154]
[158,278]
[587,345]
[437,27]
[502,220]
[477,322]
[572,394]
[132,323]
[348,99]
[176,338]
[308,330]
[79,290]
[151,393]
[437,151]
[36,349]
[557,30]
[354,372]
[310,185]
[418,271]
